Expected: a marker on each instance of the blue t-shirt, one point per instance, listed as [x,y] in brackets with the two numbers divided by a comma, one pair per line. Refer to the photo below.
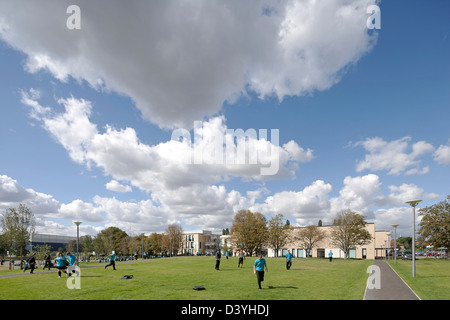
[59,262]
[112,257]
[330,254]
[289,256]
[259,264]
[71,259]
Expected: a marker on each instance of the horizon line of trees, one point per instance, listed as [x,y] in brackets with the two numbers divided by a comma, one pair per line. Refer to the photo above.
[250,232]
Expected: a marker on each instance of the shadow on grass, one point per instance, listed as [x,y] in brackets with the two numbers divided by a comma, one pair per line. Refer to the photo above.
[282,287]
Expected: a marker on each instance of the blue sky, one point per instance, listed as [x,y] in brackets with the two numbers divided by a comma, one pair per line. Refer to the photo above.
[86,116]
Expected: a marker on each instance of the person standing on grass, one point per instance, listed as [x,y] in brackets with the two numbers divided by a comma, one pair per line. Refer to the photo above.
[112,260]
[330,255]
[258,269]
[288,260]
[60,264]
[241,259]
[218,256]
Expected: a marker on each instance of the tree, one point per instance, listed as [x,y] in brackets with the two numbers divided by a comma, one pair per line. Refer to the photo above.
[278,233]
[172,239]
[434,227]
[154,242]
[18,226]
[405,242]
[108,240]
[309,237]
[349,231]
[86,244]
[249,231]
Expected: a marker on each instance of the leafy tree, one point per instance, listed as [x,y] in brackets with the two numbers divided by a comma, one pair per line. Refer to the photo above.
[108,240]
[18,226]
[309,237]
[278,233]
[249,231]
[434,227]
[86,244]
[154,242]
[349,231]
[405,242]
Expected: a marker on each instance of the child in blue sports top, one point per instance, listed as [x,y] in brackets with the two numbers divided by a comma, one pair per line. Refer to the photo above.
[258,269]
[60,265]
[112,260]
[288,260]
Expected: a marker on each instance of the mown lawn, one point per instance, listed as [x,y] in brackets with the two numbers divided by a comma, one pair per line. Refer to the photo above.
[174,279]
[432,280]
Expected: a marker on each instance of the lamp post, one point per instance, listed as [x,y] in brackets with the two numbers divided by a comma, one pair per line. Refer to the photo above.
[413,204]
[389,246]
[395,242]
[78,240]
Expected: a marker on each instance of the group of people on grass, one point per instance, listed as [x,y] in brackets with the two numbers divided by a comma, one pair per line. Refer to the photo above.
[62,264]
[260,265]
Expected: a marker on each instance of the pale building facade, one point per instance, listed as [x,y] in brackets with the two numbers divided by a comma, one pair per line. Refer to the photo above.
[200,243]
[205,242]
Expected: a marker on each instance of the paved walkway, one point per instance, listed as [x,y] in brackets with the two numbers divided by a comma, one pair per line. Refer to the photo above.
[388,286]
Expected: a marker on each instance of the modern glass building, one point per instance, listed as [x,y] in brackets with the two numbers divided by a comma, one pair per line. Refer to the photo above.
[56,242]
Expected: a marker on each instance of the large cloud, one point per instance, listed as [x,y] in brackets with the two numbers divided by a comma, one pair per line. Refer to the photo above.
[167,165]
[180,60]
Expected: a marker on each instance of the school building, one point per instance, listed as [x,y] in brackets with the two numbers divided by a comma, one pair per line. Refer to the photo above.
[199,243]
[376,248]
[205,242]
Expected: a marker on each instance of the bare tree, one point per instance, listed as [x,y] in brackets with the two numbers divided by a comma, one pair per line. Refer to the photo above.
[278,233]
[18,226]
[309,236]
[173,238]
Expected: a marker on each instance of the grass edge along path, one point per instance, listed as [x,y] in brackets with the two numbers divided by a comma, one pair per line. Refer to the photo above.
[432,280]
[174,279]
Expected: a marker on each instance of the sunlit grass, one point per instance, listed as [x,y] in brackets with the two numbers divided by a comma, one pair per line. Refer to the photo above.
[174,279]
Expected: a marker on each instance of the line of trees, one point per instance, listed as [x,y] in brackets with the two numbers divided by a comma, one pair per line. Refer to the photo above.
[251,232]
[18,227]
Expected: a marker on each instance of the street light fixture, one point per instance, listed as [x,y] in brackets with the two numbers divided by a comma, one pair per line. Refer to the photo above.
[395,242]
[78,239]
[413,204]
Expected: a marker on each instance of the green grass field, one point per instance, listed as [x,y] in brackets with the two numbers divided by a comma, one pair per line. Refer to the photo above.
[432,280]
[174,279]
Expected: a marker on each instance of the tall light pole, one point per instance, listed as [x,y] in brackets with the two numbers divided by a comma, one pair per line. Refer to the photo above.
[78,240]
[413,204]
[395,242]
[389,246]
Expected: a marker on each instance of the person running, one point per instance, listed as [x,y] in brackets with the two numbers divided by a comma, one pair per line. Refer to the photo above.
[72,258]
[241,259]
[288,260]
[60,264]
[31,263]
[47,261]
[112,260]
[258,269]
[330,255]
[218,256]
